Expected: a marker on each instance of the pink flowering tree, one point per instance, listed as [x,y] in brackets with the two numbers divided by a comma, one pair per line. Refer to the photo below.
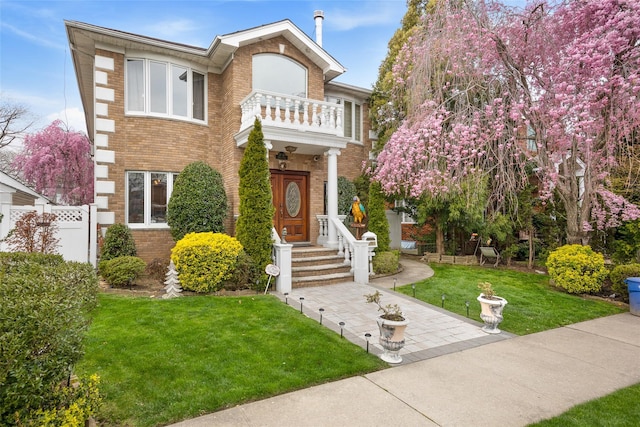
[57,162]
[501,93]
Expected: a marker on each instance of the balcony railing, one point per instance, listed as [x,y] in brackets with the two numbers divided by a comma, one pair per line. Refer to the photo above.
[292,112]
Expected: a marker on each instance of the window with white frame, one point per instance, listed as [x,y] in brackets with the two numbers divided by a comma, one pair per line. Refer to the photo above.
[162,88]
[353,120]
[277,73]
[352,117]
[148,196]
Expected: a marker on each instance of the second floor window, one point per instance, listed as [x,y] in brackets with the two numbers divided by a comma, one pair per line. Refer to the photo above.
[164,89]
[353,120]
[279,74]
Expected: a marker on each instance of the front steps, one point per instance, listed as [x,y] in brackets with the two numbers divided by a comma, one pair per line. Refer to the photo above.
[317,266]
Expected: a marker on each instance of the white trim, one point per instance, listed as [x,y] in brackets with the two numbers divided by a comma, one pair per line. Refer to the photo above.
[105,125]
[102,109]
[105,156]
[106,218]
[101,78]
[104,62]
[102,202]
[105,187]
[105,94]
[101,171]
[101,140]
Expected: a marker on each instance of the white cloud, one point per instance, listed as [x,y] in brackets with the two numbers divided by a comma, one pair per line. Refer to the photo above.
[73,117]
[369,14]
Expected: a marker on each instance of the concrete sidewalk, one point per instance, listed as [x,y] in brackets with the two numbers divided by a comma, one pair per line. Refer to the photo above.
[509,382]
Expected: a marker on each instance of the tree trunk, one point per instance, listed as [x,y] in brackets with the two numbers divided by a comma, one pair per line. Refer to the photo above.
[439,239]
[531,249]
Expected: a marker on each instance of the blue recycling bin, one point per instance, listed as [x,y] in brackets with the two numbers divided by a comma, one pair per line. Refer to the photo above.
[633,283]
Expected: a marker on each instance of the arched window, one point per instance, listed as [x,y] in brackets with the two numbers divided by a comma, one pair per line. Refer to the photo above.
[279,74]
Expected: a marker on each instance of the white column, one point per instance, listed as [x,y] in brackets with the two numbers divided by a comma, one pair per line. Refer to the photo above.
[269,147]
[332,194]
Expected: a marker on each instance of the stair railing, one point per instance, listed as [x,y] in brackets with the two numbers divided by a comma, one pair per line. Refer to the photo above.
[356,252]
[281,256]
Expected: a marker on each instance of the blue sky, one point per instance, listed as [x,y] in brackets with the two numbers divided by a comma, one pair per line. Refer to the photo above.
[36,68]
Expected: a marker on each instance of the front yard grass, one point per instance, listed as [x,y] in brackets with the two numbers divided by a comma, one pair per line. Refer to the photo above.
[619,408]
[162,361]
[533,305]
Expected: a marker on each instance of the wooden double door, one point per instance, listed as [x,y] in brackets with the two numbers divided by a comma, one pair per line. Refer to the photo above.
[291,203]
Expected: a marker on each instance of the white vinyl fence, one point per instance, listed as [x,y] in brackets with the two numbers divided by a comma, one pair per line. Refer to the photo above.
[76,228]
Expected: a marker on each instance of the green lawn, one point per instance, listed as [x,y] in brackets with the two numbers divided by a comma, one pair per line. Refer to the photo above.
[161,361]
[533,305]
[619,409]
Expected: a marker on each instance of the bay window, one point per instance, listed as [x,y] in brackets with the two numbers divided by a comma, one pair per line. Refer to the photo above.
[164,89]
[148,195]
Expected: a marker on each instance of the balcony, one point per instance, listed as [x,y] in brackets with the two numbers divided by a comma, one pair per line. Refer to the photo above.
[292,113]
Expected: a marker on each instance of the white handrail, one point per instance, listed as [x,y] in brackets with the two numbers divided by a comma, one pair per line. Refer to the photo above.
[356,252]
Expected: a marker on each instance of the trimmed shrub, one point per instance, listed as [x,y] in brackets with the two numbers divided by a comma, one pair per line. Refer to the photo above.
[253,229]
[386,262]
[377,217]
[244,275]
[45,314]
[10,259]
[198,202]
[121,271]
[577,269]
[205,260]
[621,272]
[118,242]
[346,192]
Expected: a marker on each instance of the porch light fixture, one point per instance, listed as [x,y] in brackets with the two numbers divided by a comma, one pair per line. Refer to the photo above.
[290,149]
[281,156]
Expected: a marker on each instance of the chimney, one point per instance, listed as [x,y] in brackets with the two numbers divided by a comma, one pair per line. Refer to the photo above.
[318,16]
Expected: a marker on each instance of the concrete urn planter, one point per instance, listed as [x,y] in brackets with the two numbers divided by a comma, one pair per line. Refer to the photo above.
[391,338]
[491,312]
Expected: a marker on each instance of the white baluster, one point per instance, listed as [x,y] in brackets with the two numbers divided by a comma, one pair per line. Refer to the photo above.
[278,118]
[353,258]
[287,113]
[267,109]
[339,129]
[256,106]
[332,118]
[340,245]
[305,115]
[323,117]
[347,254]
[296,106]
[314,118]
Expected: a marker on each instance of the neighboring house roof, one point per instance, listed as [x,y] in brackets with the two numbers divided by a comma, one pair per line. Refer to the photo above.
[85,38]
[10,184]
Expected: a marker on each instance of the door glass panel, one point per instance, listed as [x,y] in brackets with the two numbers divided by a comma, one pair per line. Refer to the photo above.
[292,199]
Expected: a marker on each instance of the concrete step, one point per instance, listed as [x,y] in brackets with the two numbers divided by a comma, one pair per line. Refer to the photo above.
[328,279]
[320,269]
[315,260]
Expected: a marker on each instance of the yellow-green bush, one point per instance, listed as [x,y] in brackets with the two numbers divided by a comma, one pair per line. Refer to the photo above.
[618,276]
[74,404]
[205,260]
[577,269]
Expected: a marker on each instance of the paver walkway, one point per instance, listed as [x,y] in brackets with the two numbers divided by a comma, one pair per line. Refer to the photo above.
[512,382]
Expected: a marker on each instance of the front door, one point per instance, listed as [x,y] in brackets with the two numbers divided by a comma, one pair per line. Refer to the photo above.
[291,201]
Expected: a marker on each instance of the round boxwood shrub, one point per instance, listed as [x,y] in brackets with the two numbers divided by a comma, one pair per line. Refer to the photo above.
[198,202]
[121,271]
[386,262]
[205,260]
[621,272]
[577,269]
[118,241]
